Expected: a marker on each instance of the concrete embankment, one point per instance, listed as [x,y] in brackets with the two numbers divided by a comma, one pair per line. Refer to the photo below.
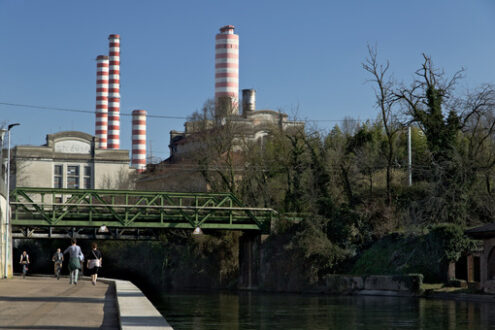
[379,285]
[135,310]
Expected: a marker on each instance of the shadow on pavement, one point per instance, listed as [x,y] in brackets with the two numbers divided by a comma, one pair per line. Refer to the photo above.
[110,314]
[42,327]
[142,321]
[55,299]
[131,294]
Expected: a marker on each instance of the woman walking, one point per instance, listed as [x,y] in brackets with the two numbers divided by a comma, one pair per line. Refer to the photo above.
[75,259]
[94,262]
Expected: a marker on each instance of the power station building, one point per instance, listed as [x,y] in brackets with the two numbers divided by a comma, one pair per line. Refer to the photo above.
[244,125]
[251,124]
[69,160]
[83,161]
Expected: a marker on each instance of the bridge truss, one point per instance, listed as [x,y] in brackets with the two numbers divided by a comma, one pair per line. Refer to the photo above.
[85,213]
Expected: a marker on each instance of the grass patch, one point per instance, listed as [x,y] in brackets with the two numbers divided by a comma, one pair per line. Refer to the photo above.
[423,253]
[432,286]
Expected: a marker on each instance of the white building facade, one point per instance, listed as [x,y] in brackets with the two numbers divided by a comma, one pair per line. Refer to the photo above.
[70,160]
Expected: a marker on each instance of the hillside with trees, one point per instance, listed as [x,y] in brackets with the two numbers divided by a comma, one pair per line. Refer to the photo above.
[341,191]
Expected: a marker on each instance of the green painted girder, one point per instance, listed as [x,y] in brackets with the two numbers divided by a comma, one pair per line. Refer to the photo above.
[53,207]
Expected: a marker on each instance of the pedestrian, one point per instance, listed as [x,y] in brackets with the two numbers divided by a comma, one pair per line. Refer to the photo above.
[24,261]
[58,259]
[94,262]
[75,258]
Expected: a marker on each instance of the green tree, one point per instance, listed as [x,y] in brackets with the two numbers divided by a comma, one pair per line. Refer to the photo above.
[425,101]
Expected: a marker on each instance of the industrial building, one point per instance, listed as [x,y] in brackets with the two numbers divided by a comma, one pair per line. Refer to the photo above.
[70,160]
[245,124]
[250,125]
[80,160]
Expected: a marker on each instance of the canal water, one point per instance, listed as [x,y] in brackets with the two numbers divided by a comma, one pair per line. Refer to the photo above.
[248,310]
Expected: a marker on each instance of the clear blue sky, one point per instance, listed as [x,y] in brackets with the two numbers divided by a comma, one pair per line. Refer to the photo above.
[302,55]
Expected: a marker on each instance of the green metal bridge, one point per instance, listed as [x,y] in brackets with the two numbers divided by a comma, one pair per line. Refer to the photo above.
[117,214]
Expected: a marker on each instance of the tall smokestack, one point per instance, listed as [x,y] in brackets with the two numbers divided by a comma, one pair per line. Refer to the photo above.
[139,140]
[101,127]
[248,101]
[114,93]
[227,68]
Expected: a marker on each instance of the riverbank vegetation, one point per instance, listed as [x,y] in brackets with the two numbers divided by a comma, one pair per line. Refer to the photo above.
[343,195]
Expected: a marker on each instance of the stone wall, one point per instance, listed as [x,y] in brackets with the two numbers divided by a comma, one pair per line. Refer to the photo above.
[374,284]
[486,266]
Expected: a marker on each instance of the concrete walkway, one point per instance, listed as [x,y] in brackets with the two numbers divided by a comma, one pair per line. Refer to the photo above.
[45,303]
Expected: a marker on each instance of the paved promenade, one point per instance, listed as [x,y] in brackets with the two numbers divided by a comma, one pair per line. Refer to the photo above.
[45,303]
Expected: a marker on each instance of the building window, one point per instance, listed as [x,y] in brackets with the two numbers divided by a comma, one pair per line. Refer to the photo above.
[87,177]
[73,177]
[58,179]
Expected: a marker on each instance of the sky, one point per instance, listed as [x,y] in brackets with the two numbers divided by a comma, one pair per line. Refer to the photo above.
[302,57]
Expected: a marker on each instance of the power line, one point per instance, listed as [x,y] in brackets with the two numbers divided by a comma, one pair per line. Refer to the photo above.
[81,110]
[149,116]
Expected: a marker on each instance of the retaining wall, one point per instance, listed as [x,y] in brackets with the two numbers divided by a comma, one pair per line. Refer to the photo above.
[135,310]
[404,285]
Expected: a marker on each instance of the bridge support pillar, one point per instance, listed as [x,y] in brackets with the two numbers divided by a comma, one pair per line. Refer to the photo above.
[249,260]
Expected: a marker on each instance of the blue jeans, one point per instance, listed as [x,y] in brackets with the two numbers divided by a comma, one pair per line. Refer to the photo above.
[24,269]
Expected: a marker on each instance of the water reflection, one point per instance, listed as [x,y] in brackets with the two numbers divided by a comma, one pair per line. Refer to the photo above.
[205,311]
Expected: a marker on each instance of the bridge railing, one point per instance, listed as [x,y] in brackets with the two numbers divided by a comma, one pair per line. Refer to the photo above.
[134,209]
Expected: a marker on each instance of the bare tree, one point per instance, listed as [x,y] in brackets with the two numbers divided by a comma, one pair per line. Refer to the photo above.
[124,179]
[219,139]
[478,125]
[386,103]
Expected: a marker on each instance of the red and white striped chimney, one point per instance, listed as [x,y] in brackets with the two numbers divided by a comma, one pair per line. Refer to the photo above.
[101,126]
[139,140]
[114,93]
[227,66]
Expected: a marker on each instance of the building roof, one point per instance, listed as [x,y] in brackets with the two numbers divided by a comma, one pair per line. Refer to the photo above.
[71,146]
[481,232]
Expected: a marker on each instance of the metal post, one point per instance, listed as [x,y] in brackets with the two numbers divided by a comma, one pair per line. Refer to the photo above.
[409,155]
[2,136]
[7,208]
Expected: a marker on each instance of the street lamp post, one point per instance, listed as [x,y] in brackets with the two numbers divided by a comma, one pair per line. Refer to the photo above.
[2,136]
[7,208]
[409,156]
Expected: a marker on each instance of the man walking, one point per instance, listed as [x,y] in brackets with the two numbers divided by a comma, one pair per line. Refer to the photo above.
[24,261]
[58,259]
[75,258]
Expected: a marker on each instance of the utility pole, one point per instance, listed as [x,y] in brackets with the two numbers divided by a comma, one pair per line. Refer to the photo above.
[150,155]
[409,156]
